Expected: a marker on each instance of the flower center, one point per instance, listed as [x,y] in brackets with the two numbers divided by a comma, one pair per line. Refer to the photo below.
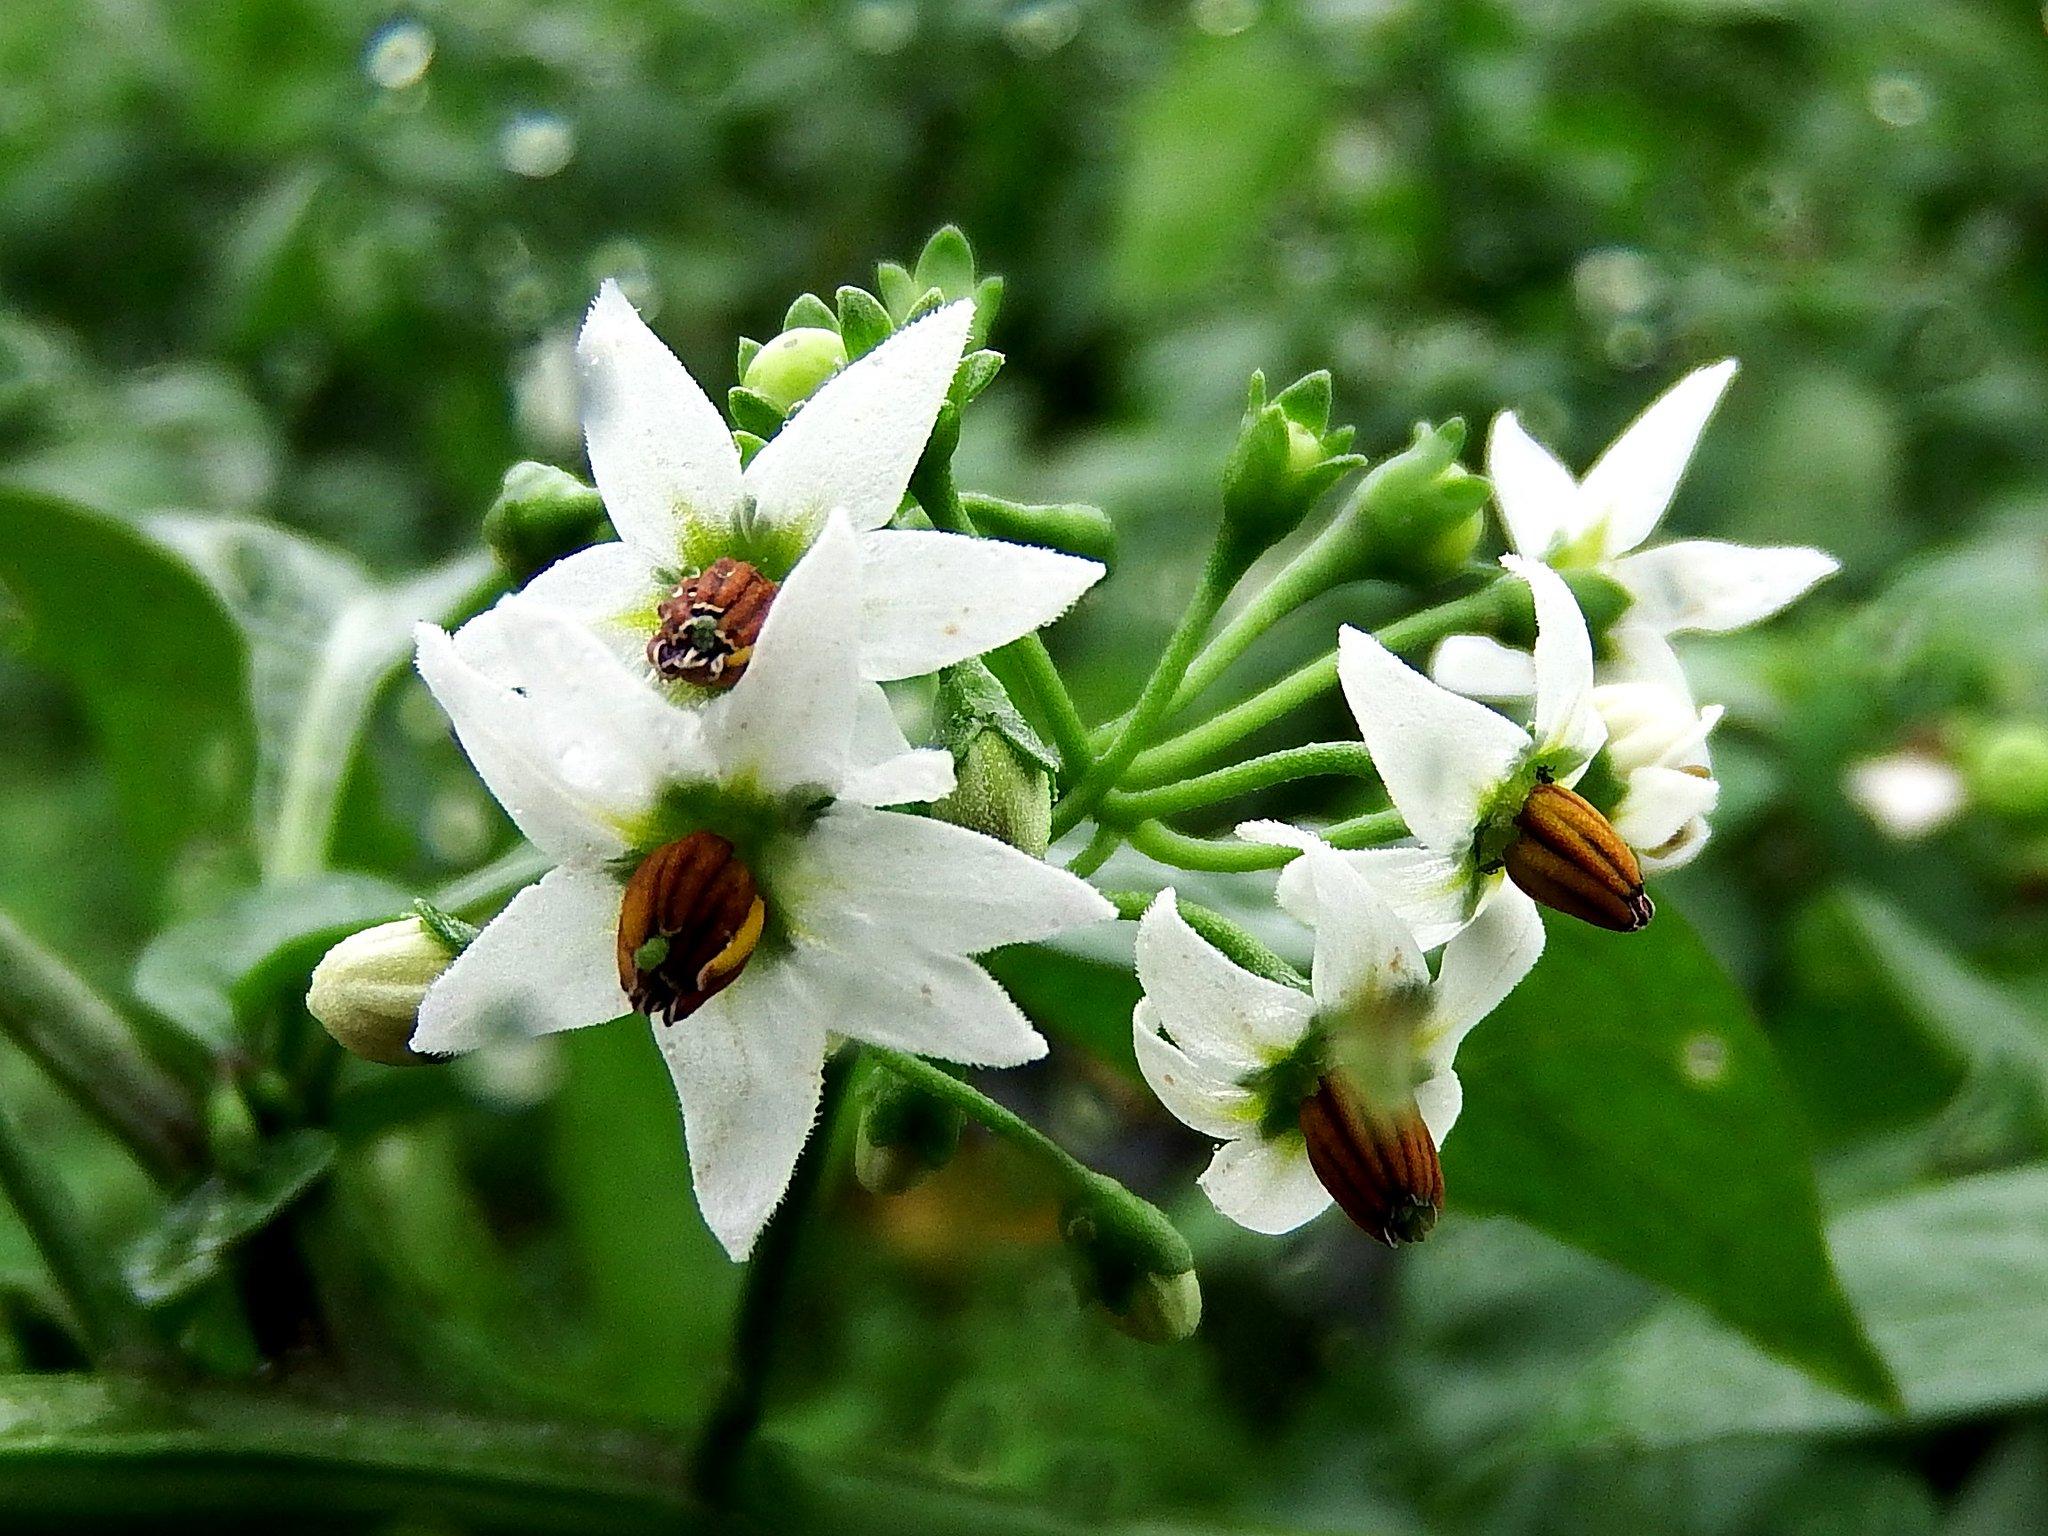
[709,625]
[1568,856]
[1381,1168]
[687,927]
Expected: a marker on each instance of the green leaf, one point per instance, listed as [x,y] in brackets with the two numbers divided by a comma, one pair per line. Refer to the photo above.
[1623,1099]
[1952,1282]
[1215,143]
[206,974]
[157,663]
[198,1233]
[322,636]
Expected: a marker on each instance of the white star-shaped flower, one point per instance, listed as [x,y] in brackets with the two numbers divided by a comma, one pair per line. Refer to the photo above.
[1459,772]
[861,920]
[672,482]
[1236,1056]
[1657,747]
[1600,522]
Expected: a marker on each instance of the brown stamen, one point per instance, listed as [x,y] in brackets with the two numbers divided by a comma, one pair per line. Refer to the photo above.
[1568,856]
[709,625]
[687,927]
[1381,1169]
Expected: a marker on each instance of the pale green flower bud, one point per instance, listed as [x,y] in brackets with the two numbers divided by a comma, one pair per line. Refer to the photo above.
[789,369]
[366,991]
[1003,792]
[1284,459]
[1162,1309]
[541,514]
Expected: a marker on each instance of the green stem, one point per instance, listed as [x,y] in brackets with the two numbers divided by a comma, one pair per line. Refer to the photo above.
[1106,840]
[114,1324]
[936,492]
[1234,941]
[1317,759]
[721,1448]
[1158,841]
[976,1105]
[1226,565]
[1367,831]
[95,1055]
[1476,612]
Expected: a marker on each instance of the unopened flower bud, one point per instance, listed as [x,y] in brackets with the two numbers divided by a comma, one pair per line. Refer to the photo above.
[904,1135]
[709,625]
[1283,460]
[1568,856]
[688,924]
[1162,1309]
[541,514]
[1002,791]
[1380,1166]
[789,369]
[366,991]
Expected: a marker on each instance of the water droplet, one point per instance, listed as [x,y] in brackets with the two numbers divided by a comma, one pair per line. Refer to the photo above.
[882,26]
[1036,31]
[1705,1059]
[536,145]
[1224,18]
[398,54]
[1898,101]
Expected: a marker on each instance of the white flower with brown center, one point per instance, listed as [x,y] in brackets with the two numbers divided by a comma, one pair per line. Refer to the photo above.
[724,870]
[1489,802]
[1344,1092]
[704,541]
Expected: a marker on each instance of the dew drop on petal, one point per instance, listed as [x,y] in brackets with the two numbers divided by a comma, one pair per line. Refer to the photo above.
[536,145]
[397,56]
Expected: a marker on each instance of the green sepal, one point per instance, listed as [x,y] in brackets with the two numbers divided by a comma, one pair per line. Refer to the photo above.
[749,349]
[928,302]
[946,263]
[904,1133]
[809,312]
[988,303]
[752,412]
[1117,1239]
[976,372]
[749,444]
[1075,527]
[1306,401]
[898,289]
[450,930]
[863,322]
[971,701]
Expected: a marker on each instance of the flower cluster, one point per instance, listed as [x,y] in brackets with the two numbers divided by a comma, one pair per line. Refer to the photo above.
[689,723]
[748,851]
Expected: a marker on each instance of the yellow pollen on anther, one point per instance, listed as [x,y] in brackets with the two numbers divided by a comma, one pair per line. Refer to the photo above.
[736,953]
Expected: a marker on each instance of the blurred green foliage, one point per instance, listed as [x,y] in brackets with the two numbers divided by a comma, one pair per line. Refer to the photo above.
[285,285]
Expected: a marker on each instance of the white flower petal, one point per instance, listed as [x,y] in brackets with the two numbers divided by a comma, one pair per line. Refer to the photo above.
[1433,896]
[548,962]
[1566,720]
[887,770]
[748,1068]
[1221,1015]
[610,589]
[1439,755]
[1628,489]
[497,730]
[1439,1098]
[610,735]
[788,723]
[1658,804]
[1538,498]
[1480,667]
[897,993]
[1677,853]
[861,877]
[1195,1096]
[1480,967]
[1363,950]
[1705,584]
[661,454]
[1638,653]
[1267,1186]
[853,444]
[931,599]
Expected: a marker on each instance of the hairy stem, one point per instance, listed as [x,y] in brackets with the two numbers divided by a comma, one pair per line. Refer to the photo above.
[1318,759]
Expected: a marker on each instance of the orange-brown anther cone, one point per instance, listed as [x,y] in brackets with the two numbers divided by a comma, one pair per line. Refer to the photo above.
[687,925]
[1381,1169]
[1568,856]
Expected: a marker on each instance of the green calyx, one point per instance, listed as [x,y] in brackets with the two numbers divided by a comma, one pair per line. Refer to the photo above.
[1280,1086]
[1284,459]
[541,514]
